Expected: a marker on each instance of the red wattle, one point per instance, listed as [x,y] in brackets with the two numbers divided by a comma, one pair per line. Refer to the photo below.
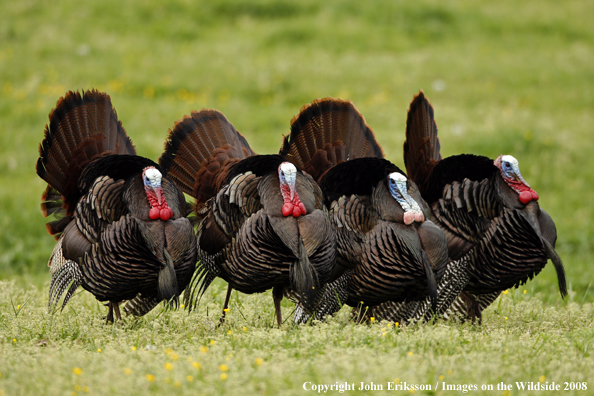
[302,207]
[154,213]
[296,211]
[526,196]
[534,195]
[408,218]
[287,209]
[419,217]
[166,214]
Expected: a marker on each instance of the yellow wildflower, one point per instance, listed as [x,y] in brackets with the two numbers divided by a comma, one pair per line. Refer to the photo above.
[196,365]
[86,389]
[168,366]
[372,319]
[542,378]
[259,361]
[189,378]
[99,350]
[506,291]
[224,376]
[223,367]
[409,353]
[244,328]
[203,349]
[150,378]
[127,371]
[77,388]
[441,377]
[77,371]
[177,383]
[525,291]
[212,342]
[226,310]
[133,348]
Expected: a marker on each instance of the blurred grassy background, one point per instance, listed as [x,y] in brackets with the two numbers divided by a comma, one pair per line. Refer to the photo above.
[503,76]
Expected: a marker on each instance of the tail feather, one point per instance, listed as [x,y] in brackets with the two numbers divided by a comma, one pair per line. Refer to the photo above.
[140,306]
[81,128]
[68,277]
[206,272]
[328,302]
[51,201]
[422,147]
[449,288]
[66,274]
[326,132]
[199,148]
[52,204]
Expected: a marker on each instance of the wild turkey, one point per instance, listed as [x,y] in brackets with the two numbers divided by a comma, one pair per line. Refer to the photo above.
[480,204]
[120,224]
[263,224]
[387,249]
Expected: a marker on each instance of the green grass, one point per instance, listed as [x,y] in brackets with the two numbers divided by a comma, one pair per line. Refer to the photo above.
[521,339]
[503,76]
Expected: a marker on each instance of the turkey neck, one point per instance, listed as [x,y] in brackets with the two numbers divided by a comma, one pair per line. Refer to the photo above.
[138,204]
[389,209]
[386,206]
[272,199]
[358,176]
[154,231]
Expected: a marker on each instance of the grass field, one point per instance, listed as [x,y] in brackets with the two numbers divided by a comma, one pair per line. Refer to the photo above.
[503,76]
